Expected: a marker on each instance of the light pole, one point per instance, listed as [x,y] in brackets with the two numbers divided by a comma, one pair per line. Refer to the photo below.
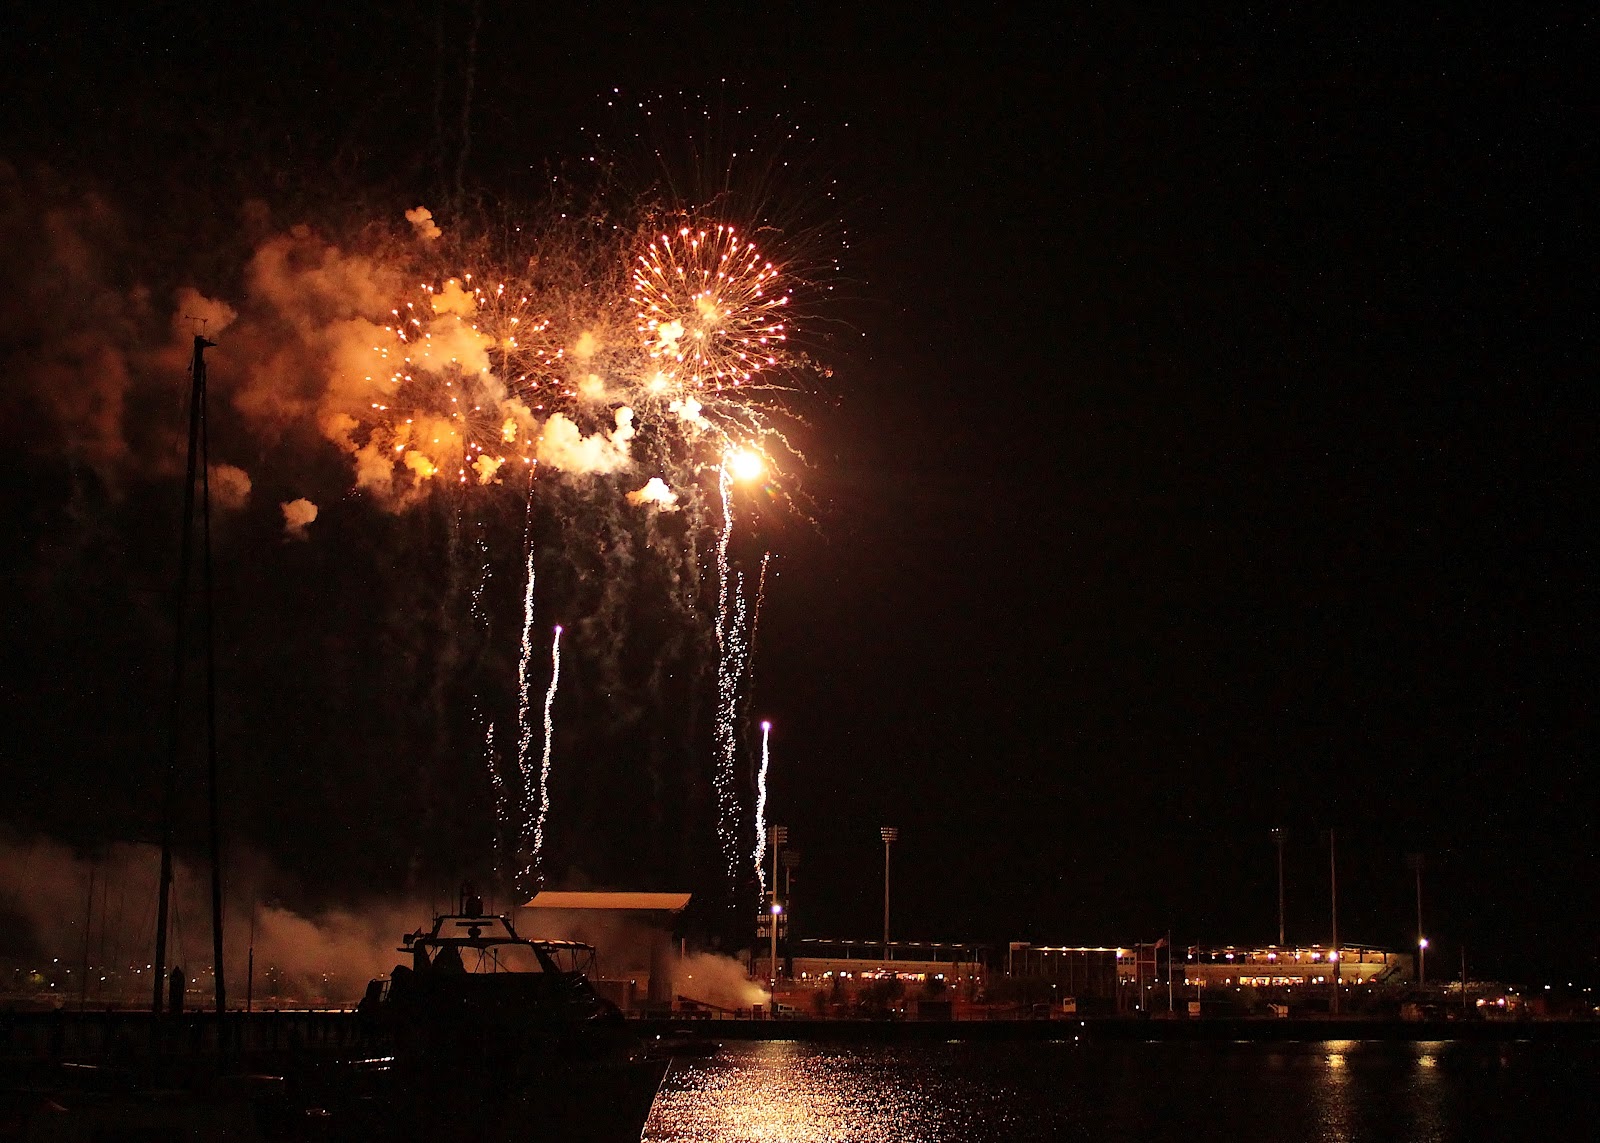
[780,836]
[1333,887]
[791,862]
[890,835]
[1277,836]
[1415,861]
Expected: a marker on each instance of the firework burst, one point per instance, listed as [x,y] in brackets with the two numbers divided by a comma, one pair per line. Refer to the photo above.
[445,410]
[653,352]
[709,307]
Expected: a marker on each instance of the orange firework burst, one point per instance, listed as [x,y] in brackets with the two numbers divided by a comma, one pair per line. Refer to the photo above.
[466,352]
[710,305]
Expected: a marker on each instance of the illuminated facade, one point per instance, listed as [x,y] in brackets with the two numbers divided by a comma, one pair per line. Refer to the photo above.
[1270,966]
[848,965]
[1082,972]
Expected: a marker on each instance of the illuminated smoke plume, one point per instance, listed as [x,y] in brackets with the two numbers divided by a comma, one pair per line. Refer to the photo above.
[297,517]
[563,445]
[421,220]
[302,957]
[230,487]
[442,376]
[655,493]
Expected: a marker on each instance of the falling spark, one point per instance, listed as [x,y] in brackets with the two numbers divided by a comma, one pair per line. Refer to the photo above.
[544,765]
[761,809]
[524,728]
[498,782]
[680,323]
[480,617]
[729,607]
[755,612]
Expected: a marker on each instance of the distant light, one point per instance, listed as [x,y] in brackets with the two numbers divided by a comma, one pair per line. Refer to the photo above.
[765,725]
[1422,943]
[776,909]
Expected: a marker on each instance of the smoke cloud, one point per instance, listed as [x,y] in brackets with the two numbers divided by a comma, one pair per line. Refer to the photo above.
[194,313]
[301,957]
[230,487]
[72,321]
[421,220]
[715,979]
[688,411]
[562,445]
[318,342]
[622,946]
[297,517]
[656,492]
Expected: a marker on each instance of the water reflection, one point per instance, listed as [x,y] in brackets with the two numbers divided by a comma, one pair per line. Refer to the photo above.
[795,1092]
[1335,1092]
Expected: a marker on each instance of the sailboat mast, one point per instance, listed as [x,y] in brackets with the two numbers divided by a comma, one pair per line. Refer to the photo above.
[180,611]
[208,610]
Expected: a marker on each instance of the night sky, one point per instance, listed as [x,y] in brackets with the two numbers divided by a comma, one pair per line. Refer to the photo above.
[1208,450]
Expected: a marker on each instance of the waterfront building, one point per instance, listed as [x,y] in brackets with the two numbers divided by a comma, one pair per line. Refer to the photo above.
[1272,966]
[844,971]
[631,933]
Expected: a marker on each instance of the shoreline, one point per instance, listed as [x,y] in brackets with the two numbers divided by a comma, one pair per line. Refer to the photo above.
[333,1033]
[1118,1029]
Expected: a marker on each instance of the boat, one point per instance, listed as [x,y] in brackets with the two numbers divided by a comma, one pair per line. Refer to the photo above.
[489,1029]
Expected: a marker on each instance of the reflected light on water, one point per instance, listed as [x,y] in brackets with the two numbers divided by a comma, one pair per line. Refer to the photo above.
[1339,1091]
[791,1092]
[1332,1096]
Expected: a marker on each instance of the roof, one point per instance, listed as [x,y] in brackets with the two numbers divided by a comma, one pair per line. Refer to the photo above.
[836,942]
[611,902]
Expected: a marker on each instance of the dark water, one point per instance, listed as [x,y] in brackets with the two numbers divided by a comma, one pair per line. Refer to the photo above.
[1333,1092]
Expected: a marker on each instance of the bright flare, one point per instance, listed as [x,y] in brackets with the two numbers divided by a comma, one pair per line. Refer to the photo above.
[746,465]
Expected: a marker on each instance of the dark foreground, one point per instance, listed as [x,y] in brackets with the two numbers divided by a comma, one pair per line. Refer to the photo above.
[302,1077]
[1333,1091]
[326,1075]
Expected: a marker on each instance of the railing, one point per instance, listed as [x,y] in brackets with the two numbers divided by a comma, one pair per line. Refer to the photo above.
[114,1036]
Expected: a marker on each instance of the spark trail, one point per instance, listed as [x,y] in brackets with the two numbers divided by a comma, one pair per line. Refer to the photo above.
[729,656]
[761,809]
[524,725]
[480,618]
[498,783]
[544,765]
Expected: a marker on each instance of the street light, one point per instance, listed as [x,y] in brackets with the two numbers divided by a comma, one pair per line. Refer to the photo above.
[1277,836]
[780,836]
[890,835]
[1333,894]
[1414,860]
[791,862]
